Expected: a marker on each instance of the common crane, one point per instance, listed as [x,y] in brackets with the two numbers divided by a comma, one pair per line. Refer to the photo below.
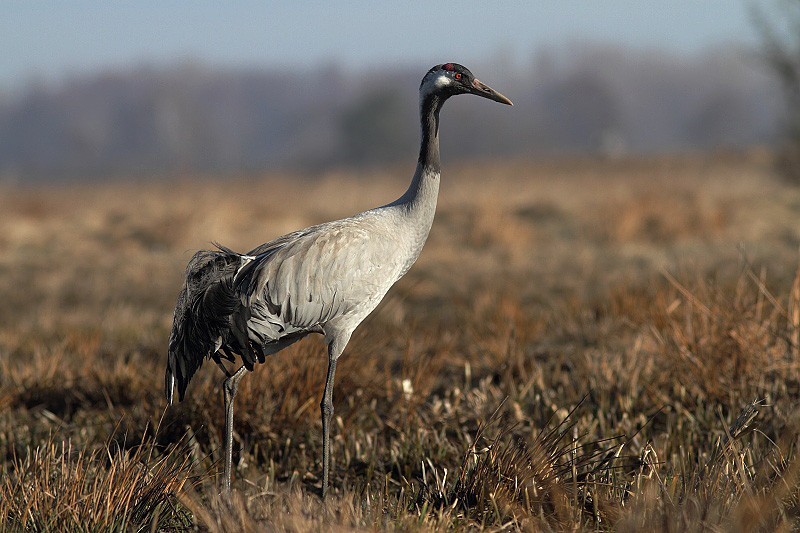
[323,279]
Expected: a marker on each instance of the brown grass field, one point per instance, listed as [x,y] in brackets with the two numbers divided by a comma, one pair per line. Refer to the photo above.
[583,345]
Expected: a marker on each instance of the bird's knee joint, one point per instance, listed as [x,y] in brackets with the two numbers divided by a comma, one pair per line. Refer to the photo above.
[327,408]
[229,386]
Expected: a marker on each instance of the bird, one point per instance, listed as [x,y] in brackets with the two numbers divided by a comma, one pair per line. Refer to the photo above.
[323,279]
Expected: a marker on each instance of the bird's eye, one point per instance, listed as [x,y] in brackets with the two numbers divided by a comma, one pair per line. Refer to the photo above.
[458,75]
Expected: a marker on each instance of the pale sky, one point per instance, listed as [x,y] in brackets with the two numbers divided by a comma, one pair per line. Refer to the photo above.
[43,40]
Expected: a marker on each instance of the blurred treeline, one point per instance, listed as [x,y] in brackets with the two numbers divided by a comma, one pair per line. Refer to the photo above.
[586,98]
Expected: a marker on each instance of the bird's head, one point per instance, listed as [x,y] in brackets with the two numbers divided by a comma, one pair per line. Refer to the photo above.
[450,79]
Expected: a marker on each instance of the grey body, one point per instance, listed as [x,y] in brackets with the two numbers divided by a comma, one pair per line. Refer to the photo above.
[328,278]
[323,279]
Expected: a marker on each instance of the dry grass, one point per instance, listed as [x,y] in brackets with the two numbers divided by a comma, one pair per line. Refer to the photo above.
[583,345]
[57,488]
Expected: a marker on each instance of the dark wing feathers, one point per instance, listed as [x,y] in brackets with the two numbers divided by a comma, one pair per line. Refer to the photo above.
[202,315]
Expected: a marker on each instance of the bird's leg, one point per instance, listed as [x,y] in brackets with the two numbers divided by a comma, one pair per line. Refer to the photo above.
[223,368]
[327,413]
[229,387]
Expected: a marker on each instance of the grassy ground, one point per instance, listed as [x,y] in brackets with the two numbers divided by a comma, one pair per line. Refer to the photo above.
[583,345]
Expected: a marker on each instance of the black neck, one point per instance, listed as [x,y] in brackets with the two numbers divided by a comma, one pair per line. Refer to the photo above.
[424,187]
[429,150]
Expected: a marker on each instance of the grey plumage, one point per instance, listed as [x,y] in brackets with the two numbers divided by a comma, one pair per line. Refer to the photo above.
[257,303]
[323,279]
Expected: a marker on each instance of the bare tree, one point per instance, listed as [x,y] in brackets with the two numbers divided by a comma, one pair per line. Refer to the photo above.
[780,35]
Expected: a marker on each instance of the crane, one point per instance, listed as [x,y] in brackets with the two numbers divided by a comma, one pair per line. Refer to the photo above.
[323,279]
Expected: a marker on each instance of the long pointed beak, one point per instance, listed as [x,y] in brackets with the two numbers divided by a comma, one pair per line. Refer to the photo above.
[481,89]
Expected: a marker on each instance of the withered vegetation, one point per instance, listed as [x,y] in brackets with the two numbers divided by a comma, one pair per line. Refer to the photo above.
[583,345]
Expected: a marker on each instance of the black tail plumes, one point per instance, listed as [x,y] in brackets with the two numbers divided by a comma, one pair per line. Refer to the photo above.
[207,317]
